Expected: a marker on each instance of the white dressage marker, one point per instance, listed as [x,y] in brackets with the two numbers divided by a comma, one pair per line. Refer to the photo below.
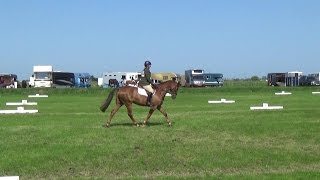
[265,106]
[9,177]
[222,101]
[38,95]
[23,102]
[19,110]
[315,92]
[283,93]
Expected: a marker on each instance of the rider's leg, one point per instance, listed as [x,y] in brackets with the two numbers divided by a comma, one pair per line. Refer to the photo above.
[150,92]
[149,98]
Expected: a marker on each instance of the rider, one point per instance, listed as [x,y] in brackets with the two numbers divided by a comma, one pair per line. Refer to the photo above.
[145,81]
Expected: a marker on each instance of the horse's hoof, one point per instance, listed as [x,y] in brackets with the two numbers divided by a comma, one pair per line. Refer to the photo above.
[136,125]
[106,125]
[169,124]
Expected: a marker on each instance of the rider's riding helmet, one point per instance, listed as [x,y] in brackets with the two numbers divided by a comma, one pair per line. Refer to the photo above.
[147,63]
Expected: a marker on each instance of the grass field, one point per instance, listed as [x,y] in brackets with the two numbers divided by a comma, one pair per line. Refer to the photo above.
[66,140]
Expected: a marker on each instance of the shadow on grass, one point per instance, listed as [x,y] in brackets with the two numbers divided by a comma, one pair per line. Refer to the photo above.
[130,124]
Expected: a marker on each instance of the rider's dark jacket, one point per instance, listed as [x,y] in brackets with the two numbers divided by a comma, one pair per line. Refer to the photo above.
[145,77]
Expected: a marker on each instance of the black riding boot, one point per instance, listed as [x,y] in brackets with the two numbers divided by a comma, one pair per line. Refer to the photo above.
[149,99]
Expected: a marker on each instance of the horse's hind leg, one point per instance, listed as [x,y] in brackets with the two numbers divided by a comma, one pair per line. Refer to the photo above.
[165,115]
[148,117]
[113,112]
[129,108]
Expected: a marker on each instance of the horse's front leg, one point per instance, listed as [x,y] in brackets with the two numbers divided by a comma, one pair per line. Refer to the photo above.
[148,117]
[165,115]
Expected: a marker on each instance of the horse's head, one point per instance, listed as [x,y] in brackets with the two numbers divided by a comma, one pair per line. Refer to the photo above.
[171,87]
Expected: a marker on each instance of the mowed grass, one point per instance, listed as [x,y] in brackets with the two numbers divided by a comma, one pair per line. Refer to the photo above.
[66,140]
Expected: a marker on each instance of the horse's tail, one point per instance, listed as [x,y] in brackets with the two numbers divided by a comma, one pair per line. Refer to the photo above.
[107,102]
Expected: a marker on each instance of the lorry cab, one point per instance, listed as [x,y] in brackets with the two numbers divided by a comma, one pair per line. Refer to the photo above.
[42,76]
[82,80]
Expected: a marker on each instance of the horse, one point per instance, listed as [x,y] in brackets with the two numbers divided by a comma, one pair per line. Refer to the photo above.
[127,95]
[113,83]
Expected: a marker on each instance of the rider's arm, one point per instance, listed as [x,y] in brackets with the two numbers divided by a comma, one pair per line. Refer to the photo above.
[148,76]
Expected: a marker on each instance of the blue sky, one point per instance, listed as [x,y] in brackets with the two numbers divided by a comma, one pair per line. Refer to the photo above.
[233,37]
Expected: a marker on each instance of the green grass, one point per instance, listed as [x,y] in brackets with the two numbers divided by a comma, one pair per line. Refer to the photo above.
[66,140]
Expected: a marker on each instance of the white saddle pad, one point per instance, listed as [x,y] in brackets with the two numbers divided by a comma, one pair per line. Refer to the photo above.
[142,92]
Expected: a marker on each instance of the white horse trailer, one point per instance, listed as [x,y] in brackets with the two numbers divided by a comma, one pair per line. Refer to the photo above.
[121,77]
[292,78]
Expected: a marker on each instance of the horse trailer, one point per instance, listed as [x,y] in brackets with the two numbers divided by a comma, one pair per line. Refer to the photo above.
[293,78]
[121,77]
[157,78]
[194,78]
[285,79]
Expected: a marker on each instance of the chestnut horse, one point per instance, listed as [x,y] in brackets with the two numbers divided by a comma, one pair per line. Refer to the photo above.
[127,95]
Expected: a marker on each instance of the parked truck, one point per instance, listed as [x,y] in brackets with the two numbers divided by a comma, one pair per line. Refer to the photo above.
[194,78]
[41,76]
[316,81]
[310,80]
[82,80]
[63,79]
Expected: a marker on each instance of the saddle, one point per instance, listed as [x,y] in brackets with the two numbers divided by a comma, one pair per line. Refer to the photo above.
[141,90]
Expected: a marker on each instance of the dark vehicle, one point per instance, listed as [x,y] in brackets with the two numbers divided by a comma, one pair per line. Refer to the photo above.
[315,79]
[24,84]
[276,79]
[309,80]
[63,79]
[213,79]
